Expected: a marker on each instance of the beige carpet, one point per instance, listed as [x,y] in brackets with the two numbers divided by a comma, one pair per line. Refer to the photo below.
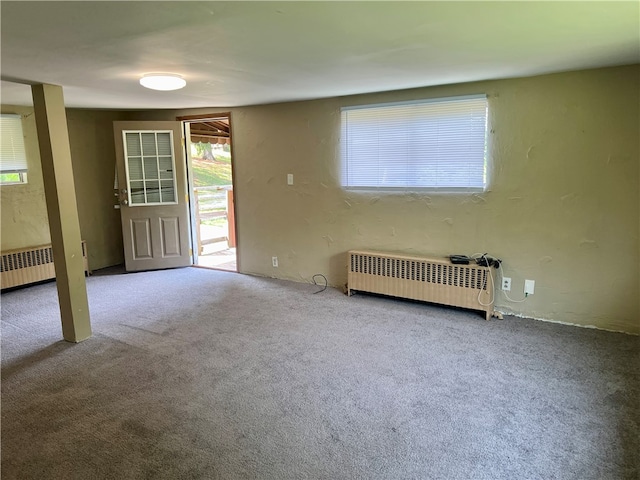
[203,374]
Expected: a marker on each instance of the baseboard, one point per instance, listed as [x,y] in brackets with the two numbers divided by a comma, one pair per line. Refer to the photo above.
[593,327]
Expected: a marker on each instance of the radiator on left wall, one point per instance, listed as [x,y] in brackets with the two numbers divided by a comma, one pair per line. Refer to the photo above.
[28,265]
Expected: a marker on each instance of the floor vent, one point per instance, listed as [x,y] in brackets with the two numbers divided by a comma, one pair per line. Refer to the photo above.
[418,278]
[29,265]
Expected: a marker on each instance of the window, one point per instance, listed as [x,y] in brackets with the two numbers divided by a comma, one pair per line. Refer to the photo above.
[150,167]
[433,144]
[13,160]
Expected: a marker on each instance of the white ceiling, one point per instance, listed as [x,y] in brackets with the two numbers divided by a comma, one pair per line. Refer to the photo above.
[247,53]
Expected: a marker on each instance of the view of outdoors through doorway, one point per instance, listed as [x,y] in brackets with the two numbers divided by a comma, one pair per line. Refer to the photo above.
[212,188]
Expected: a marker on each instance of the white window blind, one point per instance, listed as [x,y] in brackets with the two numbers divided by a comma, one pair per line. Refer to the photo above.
[12,155]
[436,144]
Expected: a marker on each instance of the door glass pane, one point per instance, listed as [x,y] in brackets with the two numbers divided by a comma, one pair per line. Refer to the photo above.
[149,157]
[150,168]
[148,143]
[135,168]
[137,193]
[166,167]
[133,144]
[164,143]
[153,191]
[168,192]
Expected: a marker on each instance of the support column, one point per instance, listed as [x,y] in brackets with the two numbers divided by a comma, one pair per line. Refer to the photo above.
[60,193]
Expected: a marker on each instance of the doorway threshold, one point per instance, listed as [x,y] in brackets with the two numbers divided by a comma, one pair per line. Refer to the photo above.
[223,259]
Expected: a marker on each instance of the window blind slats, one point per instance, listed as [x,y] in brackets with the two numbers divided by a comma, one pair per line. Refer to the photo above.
[13,158]
[150,167]
[434,144]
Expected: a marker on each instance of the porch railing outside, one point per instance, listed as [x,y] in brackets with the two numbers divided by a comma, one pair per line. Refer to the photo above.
[215,215]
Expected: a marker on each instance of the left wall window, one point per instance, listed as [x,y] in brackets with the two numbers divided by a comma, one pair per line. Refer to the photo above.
[13,159]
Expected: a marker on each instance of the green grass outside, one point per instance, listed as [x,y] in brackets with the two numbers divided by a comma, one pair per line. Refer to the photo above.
[212,172]
[10,178]
[215,222]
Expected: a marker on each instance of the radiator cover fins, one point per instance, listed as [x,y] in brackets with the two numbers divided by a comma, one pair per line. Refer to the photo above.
[29,265]
[421,278]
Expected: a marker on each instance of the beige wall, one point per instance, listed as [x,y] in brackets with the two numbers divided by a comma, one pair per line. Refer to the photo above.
[93,156]
[23,208]
[562,209]
[23,214]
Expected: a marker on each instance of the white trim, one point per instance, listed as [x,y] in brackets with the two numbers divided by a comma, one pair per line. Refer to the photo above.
[547,320]
[144,180]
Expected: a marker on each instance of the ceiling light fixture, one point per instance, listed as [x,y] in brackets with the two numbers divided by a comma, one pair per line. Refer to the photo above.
[162,81]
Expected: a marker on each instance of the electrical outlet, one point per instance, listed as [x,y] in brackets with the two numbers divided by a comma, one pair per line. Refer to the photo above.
[506,284]
[274,261]
[289,178]
[529,287]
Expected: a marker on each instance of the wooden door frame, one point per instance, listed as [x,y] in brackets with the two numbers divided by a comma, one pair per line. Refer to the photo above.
[194,119]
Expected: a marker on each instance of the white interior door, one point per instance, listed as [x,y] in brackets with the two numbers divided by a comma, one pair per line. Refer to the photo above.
[153,195]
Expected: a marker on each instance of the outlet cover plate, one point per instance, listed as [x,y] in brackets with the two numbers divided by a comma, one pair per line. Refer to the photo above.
[506,284]
[529,287]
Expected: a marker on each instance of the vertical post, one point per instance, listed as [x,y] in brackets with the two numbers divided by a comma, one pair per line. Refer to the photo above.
[198,223]
[59,189]
[231,219]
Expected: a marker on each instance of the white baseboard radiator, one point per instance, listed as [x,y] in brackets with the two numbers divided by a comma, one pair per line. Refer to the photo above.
[419,278]
[28,265]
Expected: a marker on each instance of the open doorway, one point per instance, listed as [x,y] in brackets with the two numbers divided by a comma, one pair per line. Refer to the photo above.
[209,163]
